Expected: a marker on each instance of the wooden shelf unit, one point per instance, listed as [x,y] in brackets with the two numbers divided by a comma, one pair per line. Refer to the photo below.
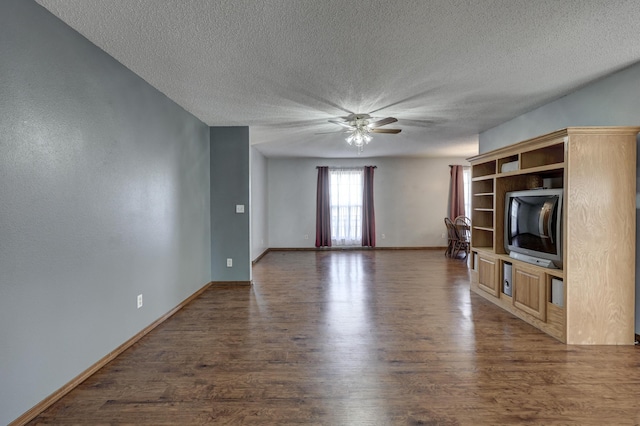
[482,212]
[596,166]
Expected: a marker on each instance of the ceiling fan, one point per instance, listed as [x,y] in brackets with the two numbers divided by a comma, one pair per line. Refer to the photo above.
[359,128]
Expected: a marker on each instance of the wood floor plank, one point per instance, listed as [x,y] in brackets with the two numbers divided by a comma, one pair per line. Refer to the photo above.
[354,338]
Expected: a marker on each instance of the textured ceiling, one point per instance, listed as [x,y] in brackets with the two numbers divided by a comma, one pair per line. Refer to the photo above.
[447,69]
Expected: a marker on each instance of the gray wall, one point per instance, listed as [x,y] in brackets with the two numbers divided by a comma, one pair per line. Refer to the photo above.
[104,186]
[410,196]
[230,178]
[259,223]
[612,101]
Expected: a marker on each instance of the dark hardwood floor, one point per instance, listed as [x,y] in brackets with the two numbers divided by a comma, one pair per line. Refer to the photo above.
[355,338]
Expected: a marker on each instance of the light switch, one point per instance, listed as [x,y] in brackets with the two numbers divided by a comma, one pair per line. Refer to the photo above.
[239,208]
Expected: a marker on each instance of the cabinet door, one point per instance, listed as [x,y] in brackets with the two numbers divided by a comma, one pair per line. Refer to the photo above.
[530,292]
[488,275]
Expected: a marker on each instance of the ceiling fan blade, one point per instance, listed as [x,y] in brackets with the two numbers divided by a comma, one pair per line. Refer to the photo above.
[383,122]
[392,131]
[341,123]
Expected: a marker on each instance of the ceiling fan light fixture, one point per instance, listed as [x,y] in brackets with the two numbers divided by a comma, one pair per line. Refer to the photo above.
[361,127]
[360,136]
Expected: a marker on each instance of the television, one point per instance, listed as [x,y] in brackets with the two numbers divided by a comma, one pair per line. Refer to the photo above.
[533,226]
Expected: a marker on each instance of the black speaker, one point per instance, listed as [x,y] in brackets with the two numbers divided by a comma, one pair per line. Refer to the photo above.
[506,279]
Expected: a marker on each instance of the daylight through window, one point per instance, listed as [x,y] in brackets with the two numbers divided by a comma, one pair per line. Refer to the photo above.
[346,188]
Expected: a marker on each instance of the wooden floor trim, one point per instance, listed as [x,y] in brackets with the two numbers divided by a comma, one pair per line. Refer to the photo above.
[257,259]
[347,248]
[232,283]
[411,248]
[264,253]
[55,396]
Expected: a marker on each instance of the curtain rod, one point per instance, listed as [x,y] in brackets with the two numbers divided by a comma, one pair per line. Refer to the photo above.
[348,167]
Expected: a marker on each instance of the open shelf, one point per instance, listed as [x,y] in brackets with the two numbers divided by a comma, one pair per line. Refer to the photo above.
[482,187]
[506,160]
[483,203]
[545,156]
[482,237]
[484,169]
[483,219]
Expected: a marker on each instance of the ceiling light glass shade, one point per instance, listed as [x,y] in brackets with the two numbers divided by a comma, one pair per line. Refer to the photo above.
[360,136]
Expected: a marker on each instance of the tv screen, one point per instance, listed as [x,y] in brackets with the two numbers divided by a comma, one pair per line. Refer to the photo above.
[532,224]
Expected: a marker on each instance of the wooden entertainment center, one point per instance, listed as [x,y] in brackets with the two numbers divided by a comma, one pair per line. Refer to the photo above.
[594,300]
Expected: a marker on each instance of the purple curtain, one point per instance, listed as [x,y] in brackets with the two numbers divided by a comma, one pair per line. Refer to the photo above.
[323,209]
[456,193]
[368,214]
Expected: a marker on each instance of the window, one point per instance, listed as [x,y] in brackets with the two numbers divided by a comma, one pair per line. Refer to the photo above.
[346,188]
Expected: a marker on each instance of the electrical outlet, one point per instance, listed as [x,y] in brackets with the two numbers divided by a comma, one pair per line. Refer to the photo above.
[229,263]
[139,301]
[384,236]
[443,236]
[306,236]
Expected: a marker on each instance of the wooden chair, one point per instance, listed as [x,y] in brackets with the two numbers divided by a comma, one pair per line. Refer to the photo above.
[462,224]
[452,238]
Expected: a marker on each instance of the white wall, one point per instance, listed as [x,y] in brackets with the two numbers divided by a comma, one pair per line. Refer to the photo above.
[611,101]
[259,224]
[410,196]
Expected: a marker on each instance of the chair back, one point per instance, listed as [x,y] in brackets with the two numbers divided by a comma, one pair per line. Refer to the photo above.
[463,227]
[452,232]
